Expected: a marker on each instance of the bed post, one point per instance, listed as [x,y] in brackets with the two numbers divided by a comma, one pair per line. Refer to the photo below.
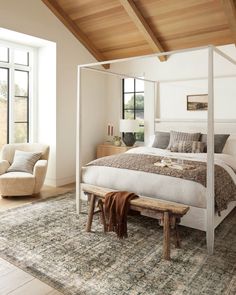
[156,103]
[210,156]
[78,143]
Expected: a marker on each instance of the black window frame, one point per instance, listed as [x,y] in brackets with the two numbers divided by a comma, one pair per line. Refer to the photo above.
[134,109]
[12,68]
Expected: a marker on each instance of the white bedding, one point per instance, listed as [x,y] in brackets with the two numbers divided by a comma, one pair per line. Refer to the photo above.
[154,185]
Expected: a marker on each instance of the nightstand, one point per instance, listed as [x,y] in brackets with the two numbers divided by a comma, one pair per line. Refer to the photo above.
[104,150]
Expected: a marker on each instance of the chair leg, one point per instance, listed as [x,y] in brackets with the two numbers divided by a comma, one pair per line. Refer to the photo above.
[90,213]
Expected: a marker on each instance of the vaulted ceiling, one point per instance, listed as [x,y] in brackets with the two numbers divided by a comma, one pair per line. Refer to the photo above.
[112,29]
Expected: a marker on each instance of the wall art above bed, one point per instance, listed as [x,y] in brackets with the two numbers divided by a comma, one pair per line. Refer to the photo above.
[198,102]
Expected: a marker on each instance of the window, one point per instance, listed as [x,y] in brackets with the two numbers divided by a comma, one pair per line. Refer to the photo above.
[15,89]
[133,103]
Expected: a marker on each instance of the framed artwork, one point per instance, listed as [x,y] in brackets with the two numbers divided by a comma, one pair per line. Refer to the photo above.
[197,102]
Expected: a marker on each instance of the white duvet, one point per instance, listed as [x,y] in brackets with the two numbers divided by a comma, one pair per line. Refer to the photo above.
[154,185]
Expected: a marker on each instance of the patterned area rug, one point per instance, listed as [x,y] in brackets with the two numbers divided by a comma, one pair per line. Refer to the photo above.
[48,240]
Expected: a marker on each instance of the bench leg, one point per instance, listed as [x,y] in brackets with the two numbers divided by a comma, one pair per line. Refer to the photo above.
[102,215]
[177,236]
[166,236]
[90,213]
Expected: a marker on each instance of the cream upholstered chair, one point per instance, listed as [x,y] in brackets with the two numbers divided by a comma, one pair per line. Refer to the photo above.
[22,183]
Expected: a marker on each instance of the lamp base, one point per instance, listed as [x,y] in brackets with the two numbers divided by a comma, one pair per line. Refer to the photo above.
[129,139]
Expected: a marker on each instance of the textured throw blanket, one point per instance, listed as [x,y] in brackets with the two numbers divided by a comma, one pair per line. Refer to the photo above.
[225,189]
[116,210]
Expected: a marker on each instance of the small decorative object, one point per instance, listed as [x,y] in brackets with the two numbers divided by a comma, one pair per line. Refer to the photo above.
[110,129]
[198,102]
[166,161]
[117,140]
[129,127]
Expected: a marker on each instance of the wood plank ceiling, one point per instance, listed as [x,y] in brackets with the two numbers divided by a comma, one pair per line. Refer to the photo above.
[112,29]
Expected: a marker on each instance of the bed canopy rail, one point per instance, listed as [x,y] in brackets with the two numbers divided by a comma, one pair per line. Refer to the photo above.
[210,124]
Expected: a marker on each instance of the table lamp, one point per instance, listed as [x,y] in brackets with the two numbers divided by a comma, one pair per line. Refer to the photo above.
[128,127]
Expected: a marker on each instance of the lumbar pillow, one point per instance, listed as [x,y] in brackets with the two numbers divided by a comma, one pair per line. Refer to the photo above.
[219,142]
[24,161]
[188,147]
[176,136]
[161,140]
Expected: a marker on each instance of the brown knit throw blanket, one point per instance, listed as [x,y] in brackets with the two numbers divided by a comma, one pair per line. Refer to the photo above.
[116,207]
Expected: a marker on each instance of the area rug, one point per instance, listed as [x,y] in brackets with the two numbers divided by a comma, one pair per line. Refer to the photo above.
[48,240]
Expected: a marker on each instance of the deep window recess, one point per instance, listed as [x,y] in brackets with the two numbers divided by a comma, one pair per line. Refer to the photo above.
[133,103]
[15,86]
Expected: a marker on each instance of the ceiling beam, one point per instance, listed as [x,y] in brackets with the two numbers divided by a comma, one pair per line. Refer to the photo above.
[230,13]
[73,28]
[143,26]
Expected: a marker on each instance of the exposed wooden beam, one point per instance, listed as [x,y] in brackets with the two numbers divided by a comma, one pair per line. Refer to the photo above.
[143,26]
[63,17]
[230,13]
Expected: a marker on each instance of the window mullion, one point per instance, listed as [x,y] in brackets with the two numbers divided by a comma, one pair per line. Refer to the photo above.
[11,96]
[134,99]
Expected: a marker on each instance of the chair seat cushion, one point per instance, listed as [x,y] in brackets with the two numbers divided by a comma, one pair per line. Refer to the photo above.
[17,184]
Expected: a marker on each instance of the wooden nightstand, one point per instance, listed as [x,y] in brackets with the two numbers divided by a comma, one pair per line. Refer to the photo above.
[104,150]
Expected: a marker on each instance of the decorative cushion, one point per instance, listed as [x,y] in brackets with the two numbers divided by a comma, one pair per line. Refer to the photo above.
[161,140]
[219,142]
[176,136]
[188,147]
[24,161]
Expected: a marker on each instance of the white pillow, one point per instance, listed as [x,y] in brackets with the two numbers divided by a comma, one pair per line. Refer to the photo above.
[24,161]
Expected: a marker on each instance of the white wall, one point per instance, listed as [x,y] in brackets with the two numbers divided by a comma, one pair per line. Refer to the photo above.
[172,95]
[94,113]
[32,17]
[45,110]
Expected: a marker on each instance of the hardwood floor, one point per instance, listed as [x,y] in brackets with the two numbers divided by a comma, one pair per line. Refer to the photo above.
[47,191]
[13,280]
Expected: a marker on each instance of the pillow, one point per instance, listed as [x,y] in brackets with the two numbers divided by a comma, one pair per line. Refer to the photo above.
[161,140]
[188,147]
[219,142]
[176,136]
[24,161]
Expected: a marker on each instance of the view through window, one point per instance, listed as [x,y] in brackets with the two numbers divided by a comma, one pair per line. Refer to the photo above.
[15,71]
[133,103]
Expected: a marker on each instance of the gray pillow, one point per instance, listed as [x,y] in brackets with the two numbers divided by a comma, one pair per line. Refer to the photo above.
[176,136]
[161,140]
[24,161]
[219,142]
[188,147]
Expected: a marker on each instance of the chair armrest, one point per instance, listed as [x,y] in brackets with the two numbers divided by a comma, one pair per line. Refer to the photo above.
[4,165]
[40,169]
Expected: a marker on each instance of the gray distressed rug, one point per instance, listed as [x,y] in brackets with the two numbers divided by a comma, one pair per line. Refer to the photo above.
[48,240]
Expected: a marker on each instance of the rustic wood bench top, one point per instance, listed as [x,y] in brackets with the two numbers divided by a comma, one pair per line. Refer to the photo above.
[143,202]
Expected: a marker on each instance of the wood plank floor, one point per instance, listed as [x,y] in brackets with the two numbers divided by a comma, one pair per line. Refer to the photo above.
[13,280]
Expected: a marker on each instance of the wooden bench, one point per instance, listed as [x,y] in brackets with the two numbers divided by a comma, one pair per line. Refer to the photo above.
[168,213]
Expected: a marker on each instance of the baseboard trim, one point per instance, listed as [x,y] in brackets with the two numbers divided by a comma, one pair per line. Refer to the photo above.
[59,181]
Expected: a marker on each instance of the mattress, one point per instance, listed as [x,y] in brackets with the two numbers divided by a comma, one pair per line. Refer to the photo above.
[154,185]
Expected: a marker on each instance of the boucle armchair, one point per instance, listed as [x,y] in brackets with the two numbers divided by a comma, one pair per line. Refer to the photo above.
[18,183]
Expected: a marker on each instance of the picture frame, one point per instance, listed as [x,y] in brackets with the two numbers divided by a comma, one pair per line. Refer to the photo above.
[197,102]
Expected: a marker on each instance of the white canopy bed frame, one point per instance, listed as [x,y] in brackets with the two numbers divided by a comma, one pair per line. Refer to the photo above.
[209,213]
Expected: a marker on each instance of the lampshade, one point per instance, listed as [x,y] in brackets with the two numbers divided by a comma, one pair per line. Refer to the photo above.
[127,125]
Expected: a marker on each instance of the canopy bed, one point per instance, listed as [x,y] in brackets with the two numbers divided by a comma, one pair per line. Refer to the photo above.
[201,197]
